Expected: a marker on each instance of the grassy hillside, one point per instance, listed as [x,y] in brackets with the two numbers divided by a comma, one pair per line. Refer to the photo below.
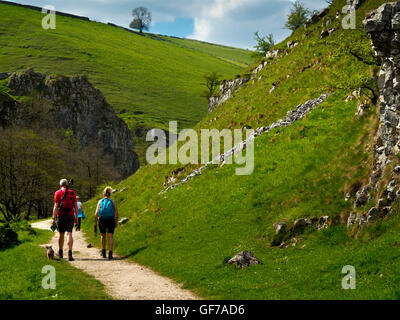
[147,81]
[21,274]
[304,170]
[240,57]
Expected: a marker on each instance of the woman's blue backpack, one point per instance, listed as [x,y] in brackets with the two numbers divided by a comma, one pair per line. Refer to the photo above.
[106,210]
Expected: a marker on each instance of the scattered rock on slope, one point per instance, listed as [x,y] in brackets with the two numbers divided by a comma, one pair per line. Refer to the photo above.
[273,54]
[244,259]
[373,215]
[280,228]
[123,221]
[316,17]
[226,89]
[292,44]
[299,224]
[355,3]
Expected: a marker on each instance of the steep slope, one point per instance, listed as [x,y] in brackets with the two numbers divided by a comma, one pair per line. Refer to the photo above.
[310,169]
[144,79]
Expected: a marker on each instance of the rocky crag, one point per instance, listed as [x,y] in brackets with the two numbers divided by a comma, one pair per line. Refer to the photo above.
[80,107]
[383,27]
[8,110]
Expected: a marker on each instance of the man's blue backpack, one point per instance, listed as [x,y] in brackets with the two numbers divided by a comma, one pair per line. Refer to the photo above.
[106,210]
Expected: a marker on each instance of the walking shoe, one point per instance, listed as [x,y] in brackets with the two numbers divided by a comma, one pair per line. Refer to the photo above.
[70,256]
[110,255]
[60,253]
[103,253]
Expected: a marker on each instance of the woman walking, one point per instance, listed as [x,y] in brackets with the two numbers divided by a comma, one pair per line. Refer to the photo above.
[107,215]
[80,214]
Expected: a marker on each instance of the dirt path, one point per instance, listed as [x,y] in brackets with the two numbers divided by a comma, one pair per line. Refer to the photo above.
[123,279]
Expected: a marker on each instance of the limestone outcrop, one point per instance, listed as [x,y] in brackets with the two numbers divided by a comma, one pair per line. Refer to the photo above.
[226,89]
[383,27]
[292,116]
[82,108]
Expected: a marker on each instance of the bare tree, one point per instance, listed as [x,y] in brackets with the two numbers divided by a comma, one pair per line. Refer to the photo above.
[27,162]
[141,19]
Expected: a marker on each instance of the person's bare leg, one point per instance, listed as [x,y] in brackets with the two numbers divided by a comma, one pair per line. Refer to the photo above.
[103,241]
[70,241]
[61,241]
[110,246]
[110,242]
[103,245]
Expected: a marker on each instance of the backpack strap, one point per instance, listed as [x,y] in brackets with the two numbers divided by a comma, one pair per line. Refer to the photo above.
[101,206]
[60,207]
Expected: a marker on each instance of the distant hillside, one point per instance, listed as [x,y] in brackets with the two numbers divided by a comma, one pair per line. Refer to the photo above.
[147,81]
[240,57]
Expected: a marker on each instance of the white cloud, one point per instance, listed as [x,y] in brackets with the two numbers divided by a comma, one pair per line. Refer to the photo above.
[233,22]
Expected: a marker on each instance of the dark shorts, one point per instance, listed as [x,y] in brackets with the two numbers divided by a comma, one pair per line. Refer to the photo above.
[107,225]
[65,223]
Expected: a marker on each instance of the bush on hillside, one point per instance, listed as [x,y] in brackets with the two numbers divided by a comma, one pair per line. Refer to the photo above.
[263,45]
[8,237]
[212,83]
[298,16]
[18,226]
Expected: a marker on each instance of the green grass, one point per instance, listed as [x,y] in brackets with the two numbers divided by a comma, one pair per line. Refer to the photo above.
[239,57]
[21,274]
[149,80]
[304,170]
[189,232]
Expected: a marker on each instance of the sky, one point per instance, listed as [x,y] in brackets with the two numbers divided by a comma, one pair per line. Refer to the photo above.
[228,22]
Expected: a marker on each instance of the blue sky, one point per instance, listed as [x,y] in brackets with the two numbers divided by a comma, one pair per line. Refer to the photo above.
[228,22]
[180,27]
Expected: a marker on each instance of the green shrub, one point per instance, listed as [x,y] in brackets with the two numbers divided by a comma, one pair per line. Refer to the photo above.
[23,225]
[8,237]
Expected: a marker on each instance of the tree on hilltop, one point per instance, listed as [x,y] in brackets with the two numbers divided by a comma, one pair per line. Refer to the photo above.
[298,16]
[141,19]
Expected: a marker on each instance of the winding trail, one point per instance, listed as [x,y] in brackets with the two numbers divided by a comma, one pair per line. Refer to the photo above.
[123,279]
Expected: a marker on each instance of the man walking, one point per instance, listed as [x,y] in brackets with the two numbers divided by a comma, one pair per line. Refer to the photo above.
[65,206]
